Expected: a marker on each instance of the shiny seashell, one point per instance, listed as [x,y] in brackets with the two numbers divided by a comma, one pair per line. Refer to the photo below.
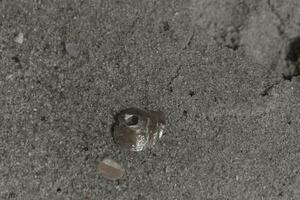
[110,169]
[136,129]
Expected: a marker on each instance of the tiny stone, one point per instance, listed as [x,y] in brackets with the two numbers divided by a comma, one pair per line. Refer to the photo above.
[110,169]
[19,38]
[72,49]
[168,169]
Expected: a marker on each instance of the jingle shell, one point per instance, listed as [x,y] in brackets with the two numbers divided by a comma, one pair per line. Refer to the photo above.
[110,169]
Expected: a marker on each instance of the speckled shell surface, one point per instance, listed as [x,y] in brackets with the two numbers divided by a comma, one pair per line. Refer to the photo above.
[135,129]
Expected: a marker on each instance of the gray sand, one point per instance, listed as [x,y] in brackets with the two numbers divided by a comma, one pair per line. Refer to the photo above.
[216,68]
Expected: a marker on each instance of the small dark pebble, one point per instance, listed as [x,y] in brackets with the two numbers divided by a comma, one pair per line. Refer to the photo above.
[16,59]
[192,93]
[12,195]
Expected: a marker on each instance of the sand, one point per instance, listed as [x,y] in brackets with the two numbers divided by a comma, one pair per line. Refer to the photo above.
[224,72]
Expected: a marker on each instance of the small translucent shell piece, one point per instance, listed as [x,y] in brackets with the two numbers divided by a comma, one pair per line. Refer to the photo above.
[110,169]
[136,129]
[72,49]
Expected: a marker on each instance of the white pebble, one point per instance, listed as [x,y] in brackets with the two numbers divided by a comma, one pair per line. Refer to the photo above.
[19,38]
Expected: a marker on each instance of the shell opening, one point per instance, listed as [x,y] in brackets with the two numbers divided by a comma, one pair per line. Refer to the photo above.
[131,120]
